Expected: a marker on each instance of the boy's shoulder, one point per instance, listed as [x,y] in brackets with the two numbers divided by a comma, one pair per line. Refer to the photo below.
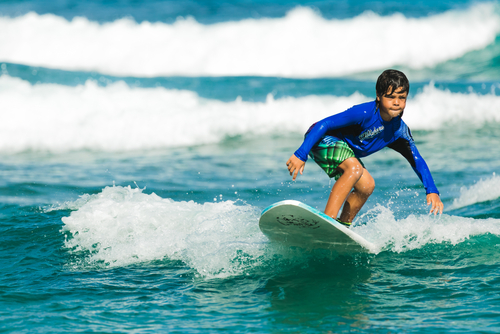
[362,113]
[366,107]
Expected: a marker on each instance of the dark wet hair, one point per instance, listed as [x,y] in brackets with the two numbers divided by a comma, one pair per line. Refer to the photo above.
[392,79]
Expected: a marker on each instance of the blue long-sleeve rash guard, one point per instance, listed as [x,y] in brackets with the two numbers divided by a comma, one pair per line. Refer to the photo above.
[364,130]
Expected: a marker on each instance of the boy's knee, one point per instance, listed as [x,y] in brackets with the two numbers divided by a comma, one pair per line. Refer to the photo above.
[368,185]
[352,166]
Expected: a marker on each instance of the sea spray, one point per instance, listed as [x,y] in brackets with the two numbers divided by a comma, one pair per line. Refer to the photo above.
[417,231]
[123,225]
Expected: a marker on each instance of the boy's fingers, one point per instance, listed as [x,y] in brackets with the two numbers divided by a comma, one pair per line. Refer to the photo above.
[294,167]
[436,205]
[440,208]
[436,208]
[433,208]
[297,171]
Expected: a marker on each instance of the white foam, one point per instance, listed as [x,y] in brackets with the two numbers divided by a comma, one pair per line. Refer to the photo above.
[122,226]
[301,44]
[57,118]
[120,118]
[415,232]
[434,108]
[482,191]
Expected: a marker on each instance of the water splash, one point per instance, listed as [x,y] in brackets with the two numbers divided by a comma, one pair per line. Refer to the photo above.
[123,225]
[416,231]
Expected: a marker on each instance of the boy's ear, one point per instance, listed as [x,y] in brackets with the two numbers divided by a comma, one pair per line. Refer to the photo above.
[378,98]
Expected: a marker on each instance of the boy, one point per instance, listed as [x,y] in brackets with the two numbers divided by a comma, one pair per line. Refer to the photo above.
[337,142]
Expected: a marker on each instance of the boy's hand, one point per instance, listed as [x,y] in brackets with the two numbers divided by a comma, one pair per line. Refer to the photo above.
[295,166]
[437,205]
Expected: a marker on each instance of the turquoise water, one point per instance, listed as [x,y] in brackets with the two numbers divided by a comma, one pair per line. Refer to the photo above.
[140,141]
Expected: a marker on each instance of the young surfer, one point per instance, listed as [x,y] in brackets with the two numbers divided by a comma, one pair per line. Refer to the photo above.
[337,142]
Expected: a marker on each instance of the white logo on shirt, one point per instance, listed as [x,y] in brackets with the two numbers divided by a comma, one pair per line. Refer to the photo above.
[370,133]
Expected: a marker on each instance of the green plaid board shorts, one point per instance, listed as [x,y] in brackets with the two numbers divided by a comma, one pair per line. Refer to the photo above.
[329,153]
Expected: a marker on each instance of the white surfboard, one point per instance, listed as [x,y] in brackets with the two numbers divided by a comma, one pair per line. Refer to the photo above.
[297,224]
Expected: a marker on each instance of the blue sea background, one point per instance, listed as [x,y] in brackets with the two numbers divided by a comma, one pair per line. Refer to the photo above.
[140,141]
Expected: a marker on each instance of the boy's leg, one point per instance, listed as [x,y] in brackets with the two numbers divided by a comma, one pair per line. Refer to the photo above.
[352,172]
[357,198]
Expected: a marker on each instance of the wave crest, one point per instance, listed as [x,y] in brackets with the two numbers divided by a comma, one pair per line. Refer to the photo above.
[122,226]
[57,118]
[482,191]
[301,44]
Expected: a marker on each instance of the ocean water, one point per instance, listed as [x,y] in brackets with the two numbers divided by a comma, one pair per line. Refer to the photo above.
[140,141]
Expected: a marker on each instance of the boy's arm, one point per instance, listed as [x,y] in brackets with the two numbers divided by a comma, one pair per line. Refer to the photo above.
[346,118]
[406,147]
[314,135]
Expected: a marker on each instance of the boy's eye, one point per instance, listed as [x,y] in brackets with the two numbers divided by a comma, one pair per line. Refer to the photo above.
[393,97]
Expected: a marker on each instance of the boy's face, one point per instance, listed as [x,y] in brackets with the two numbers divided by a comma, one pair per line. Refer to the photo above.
[392,104]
